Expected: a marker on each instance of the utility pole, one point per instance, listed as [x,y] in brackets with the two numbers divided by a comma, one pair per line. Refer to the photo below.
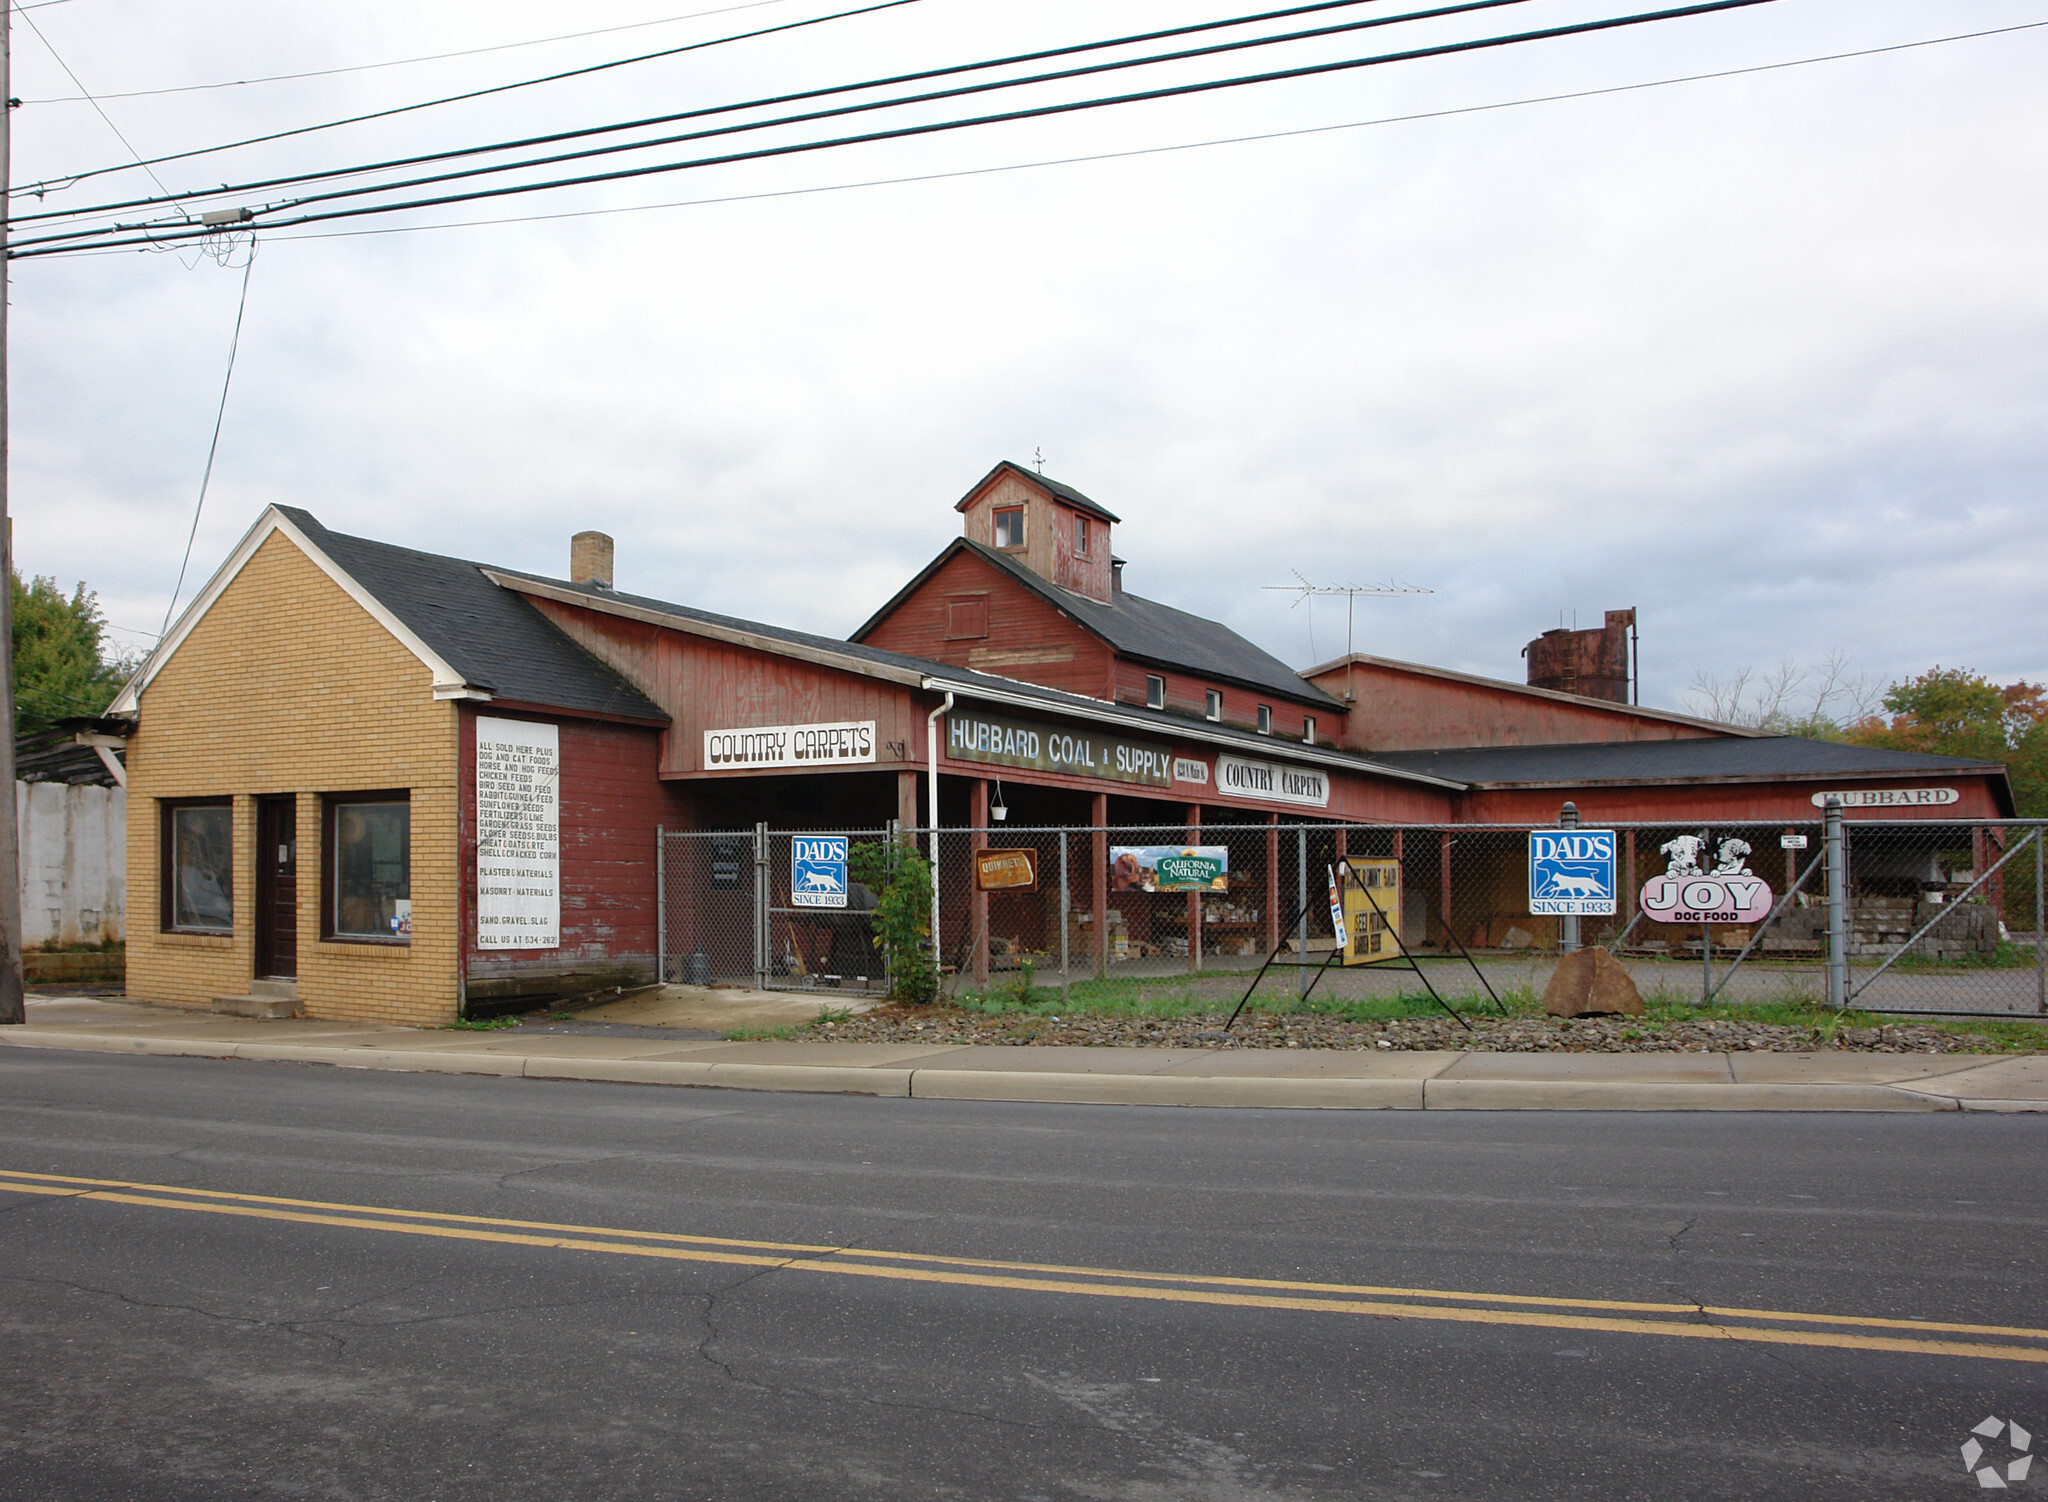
[12,1004]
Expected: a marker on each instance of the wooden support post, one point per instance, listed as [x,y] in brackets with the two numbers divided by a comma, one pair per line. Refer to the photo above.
[1194,833]
[1098,880]
[906,799]
[977,908]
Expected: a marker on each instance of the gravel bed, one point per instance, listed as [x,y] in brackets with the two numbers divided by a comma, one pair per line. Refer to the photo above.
[943,1024]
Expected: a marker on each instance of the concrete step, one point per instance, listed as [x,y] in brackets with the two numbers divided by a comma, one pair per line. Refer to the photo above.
[271,1007]
[287,989]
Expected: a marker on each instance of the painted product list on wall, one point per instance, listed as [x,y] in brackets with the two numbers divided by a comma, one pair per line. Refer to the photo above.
[518,835]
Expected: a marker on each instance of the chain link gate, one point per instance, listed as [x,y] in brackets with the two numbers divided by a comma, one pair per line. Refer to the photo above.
[728,915]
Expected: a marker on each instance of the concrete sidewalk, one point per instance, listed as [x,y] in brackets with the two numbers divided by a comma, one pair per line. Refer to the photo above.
[1318,1078]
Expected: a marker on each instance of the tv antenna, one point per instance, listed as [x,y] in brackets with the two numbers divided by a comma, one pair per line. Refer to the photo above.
[1302,590]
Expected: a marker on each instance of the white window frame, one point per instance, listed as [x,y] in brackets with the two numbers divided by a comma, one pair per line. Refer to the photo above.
[1155,691]
[995,526]
[1080,536]
[1308,729]
[1215,710]
[1265,719]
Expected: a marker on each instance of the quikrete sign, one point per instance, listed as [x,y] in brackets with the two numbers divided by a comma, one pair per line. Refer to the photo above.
[832,745]
[1275,782]
[1004,742]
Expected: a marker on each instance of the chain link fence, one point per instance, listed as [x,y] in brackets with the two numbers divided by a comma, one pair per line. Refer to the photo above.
[1939,917]
[743,908]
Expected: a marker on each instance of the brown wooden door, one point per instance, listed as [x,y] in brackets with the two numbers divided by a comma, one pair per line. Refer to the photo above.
[277,888]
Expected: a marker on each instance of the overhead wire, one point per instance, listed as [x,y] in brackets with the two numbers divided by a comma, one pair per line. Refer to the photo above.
[765,102]
[72,180]
[148,236]
[1450,112]
[213,448]
[397,62]
[87,94]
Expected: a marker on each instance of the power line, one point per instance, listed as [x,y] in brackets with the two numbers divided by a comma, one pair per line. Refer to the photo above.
[526,83]
[398,62]
[766,102]
[87,95]
[1451,112]
[814,116]
[185,232]
[1143,151]
[219,416]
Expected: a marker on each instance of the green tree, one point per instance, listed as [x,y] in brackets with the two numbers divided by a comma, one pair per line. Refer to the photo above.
[1955,712]
[62,665]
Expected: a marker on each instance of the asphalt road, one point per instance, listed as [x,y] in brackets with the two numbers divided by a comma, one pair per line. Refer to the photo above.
[228,1280]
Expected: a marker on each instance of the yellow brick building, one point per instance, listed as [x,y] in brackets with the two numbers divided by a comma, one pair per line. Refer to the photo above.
[297,787]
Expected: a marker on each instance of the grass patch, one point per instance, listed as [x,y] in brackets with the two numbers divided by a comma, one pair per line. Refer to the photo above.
[1173,997]
[781,1034]
[480,1024]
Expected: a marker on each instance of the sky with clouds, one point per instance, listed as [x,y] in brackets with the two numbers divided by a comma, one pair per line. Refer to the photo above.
[1765,355]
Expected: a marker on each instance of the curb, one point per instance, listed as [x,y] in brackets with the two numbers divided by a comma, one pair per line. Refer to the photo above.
[1279,1093]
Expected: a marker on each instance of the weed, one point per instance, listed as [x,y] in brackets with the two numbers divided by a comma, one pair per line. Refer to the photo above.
[829,1013]
[760,1034]
[480,1024]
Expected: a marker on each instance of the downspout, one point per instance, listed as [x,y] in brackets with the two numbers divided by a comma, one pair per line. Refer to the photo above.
[931,751]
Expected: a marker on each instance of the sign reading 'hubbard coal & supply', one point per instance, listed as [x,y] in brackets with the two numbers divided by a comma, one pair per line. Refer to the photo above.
[1004,742]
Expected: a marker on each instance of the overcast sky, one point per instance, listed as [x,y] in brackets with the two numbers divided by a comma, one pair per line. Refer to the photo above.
[1765,355]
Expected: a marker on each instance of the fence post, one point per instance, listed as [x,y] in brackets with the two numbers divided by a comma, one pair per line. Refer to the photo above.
[1301,904]
[1568,818]
[2040,947]
[1838,906]
[660,906]
[762,925]
[1066,922]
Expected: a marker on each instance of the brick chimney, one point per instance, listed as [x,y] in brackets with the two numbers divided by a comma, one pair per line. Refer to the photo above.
[590,559]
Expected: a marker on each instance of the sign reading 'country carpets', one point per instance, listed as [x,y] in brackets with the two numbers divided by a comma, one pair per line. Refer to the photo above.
[1004,742]
[1276,782]
[760,746]
[518,835]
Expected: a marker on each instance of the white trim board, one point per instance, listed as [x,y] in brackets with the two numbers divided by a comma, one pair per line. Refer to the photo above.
[448,684]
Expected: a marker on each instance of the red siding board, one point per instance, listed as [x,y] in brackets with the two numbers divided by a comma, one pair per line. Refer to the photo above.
[611,803]
[1028,637]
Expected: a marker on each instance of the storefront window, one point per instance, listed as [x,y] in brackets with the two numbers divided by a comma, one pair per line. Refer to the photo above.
[369,869]
[1010,527]
[199,868]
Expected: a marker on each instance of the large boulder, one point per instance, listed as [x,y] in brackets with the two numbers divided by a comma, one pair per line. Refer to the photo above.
[1591,983]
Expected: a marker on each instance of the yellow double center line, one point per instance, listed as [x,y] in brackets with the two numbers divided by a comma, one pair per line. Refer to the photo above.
[1683,1321]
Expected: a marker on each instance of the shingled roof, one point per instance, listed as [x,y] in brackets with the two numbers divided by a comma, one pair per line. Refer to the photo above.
[1066,493]
[1711,759]
[1141,629]
[493,638]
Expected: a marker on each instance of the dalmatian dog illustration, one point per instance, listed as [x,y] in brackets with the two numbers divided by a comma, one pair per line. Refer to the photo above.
[1685,852]
[1733,858]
